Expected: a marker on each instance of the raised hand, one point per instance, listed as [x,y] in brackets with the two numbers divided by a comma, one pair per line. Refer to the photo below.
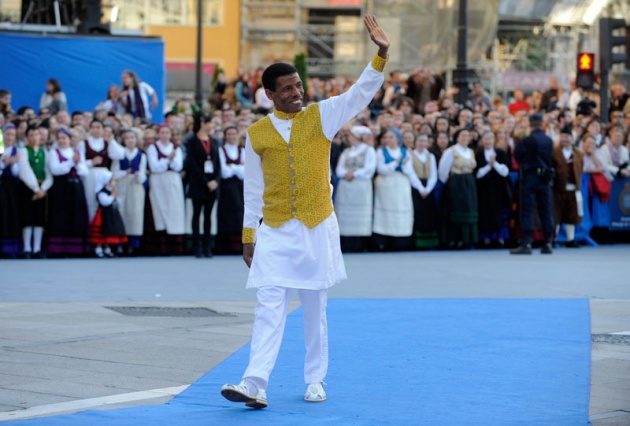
[378,36]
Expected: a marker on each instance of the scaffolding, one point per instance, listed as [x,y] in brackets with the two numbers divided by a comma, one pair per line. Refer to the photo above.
[331,33]
[331,36]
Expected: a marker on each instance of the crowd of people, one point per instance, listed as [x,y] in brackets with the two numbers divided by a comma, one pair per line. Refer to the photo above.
[414,170]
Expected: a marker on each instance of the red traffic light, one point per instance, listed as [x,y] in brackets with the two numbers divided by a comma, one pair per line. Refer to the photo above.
[585,77]
[586,61]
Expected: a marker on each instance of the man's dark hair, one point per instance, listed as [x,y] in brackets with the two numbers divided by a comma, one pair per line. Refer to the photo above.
[536,120]
[4,92]
[273,72]
[30,129]
[75,113]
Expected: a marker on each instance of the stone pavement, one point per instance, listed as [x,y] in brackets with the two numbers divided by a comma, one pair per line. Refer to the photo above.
[64,349]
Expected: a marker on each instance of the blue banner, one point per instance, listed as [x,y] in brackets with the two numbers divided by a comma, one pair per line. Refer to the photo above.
[85,67]
[620,205]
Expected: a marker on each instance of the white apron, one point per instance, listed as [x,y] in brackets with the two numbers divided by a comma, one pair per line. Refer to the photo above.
[131,204]
[167,202]
[89,186]
[353,207]
[393,205]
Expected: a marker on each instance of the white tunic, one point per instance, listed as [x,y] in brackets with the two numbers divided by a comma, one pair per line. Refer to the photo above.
[293,255]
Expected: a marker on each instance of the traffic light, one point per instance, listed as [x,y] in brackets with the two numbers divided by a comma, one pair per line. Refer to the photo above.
[608,41]
[585,77]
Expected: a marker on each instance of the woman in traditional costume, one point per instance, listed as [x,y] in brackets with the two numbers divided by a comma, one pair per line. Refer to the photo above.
[98,155]
[493,190]
[459,201]
[424,205]
[9,195]
[166,192]
[67,208]
[354,197]
[131,174]
[393,204]
[231,203]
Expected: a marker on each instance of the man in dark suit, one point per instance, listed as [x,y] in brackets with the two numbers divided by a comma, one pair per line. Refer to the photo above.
[534,156]
[203,169]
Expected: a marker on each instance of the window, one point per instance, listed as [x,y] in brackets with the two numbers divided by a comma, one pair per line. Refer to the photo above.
[135,14]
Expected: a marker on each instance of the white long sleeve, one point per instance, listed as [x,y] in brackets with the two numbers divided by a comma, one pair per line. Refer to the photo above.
[341,170]
[407,169]
[115,151]
[15,168]
[501,169]
[105,199]
[27,175]
[446,161]
[161,165]
[231,170]
[334,113]
[58,168]
[253,187]
[383,168]
[142,168]
[338,110]
[433,173]
[369,164]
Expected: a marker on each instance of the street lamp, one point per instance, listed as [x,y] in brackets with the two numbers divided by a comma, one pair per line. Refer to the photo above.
[198,88]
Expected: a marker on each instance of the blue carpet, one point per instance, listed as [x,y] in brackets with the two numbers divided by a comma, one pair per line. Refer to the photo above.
[407,362]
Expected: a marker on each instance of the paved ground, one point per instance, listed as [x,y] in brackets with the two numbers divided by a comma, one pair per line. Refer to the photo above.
[63,349]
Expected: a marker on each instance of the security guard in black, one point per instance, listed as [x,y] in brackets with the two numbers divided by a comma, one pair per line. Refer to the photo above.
[533,155]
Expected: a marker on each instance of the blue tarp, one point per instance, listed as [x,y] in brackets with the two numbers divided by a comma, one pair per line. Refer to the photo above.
[84,66]
[405,362]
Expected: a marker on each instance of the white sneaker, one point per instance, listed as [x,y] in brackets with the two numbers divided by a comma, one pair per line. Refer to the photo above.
[239,393]
[315,393]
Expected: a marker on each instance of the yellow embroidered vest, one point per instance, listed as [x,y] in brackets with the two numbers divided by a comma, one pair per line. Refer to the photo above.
[296,174]
[423,170]
[463,165]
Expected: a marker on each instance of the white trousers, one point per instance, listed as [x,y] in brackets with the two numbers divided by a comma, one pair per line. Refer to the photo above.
[270,318]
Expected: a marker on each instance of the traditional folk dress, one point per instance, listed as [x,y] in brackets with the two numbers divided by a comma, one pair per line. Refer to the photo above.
[230,208]
[9,205]
[166,194]
[425,209]
[459,201]
[494,193]
[567,193]
[35,176]
[354,198]
[89,149]
[131,173]
[287,185]
[393,204]
[67,206]
[107,227]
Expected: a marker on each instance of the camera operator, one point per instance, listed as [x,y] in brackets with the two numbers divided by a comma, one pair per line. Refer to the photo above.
[533,155]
